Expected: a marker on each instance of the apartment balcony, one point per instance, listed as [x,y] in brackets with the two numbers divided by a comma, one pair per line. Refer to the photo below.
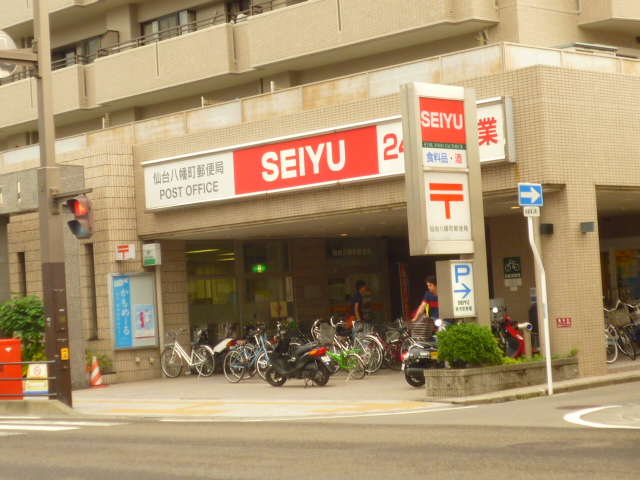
[18,12]
[19,98]
[346,29]
[154,64]
[621,16]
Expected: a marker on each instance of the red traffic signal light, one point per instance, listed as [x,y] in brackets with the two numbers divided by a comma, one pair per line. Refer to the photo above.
[82,209]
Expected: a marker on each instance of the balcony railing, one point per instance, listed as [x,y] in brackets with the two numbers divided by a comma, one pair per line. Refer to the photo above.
[189,27]
[55,65]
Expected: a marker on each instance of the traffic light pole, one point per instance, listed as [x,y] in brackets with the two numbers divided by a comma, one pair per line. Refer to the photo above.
[51,241]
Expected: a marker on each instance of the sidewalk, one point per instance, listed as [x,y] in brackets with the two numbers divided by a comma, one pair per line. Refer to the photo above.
[215,399]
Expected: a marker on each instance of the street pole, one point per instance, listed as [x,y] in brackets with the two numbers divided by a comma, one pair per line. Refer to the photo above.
[54,293]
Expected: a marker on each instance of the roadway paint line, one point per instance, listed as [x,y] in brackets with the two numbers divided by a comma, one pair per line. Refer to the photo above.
[40,428]
[576,418]
[309,417]
[60,423]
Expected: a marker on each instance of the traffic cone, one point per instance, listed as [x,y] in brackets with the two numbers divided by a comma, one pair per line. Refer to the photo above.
[96,378]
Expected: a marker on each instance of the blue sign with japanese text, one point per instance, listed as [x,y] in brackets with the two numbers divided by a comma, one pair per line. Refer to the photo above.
[122,311]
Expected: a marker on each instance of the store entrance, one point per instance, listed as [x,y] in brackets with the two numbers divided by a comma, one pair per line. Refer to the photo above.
[236,283]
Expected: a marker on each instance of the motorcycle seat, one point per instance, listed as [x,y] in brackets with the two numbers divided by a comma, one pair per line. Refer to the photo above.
[424,344]
[302,349]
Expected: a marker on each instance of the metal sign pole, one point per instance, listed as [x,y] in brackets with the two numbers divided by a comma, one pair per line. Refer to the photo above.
[543,299]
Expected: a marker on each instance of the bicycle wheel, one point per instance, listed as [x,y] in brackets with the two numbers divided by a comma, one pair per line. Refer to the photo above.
[392,356]
[171,362]
[234,366]
[250,357]
[612,349]
[204,362]
[355,366]
[262,363]
[626,347]
[371,353]
[333,363]
[632,333]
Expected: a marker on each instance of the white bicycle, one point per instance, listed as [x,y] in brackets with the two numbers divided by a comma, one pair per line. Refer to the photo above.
[174,356]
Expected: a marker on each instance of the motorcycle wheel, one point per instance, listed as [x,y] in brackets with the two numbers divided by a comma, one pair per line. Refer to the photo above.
[274,378]
[322,376]
[414,381]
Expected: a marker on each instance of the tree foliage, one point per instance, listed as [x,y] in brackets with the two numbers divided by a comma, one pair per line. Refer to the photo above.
[23,318]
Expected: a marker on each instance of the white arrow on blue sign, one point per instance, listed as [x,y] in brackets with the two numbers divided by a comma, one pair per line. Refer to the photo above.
[530,194]
[464,304]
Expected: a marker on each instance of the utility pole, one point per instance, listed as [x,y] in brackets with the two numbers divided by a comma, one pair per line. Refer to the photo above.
[54,291]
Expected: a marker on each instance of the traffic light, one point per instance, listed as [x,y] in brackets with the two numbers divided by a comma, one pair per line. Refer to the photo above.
[82,225]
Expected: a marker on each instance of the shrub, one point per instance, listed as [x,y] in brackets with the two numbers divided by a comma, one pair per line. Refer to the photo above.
[23,318]
[468,343]
[104,361]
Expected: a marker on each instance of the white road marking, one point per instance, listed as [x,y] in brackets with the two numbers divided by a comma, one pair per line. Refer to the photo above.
[576,418]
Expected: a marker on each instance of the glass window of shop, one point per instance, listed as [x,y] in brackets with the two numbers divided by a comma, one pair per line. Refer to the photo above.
[212,285]
[236,282]
[266,264]
[350,260]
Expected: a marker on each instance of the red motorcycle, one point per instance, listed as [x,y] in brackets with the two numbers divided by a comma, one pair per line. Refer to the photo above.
[508,334]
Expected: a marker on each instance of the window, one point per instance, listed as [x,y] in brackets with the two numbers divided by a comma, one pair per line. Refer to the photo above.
[266,257]
[238,6]
[63,57]
[166,27]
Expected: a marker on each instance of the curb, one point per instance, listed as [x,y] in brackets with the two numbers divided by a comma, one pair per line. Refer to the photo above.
[538,390]
[48,408]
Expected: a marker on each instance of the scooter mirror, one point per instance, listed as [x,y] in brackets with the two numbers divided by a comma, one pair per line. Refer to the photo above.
[438,322]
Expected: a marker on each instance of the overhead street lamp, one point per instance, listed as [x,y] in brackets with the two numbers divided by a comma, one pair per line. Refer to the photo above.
[48,177]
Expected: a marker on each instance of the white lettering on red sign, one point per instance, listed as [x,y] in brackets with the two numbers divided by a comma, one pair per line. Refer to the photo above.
[441,120]
[292,162]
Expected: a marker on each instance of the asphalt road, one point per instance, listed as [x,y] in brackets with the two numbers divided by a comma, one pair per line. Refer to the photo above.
[527,439]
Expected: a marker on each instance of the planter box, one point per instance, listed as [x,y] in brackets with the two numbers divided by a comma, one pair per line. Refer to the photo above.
[465,382]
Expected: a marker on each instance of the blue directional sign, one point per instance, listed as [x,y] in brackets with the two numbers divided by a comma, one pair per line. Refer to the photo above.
[464,304]
[530,194]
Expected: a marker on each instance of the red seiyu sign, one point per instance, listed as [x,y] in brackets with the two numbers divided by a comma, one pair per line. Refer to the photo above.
[307,161]
[442,121]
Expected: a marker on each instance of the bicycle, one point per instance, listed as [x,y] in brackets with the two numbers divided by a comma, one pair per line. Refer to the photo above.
[633,327]
[173,356]
[615,320]
[397,340]
[347,360]
[348,339]
[248,358]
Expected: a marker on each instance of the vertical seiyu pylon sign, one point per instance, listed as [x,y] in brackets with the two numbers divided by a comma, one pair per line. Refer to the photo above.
[442,176]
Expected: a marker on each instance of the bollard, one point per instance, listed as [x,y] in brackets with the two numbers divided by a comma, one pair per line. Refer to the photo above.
[526,328]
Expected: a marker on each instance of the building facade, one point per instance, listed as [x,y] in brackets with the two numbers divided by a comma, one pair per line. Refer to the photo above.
[162,113]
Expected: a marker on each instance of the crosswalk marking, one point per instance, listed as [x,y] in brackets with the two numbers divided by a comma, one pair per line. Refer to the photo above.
[33,424]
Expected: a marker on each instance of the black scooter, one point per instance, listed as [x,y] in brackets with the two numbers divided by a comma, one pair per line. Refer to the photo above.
[419,357]
[308,362]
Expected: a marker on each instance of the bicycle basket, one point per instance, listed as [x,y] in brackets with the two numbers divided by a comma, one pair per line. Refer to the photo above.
[619,317]
[422,328]
[325,333]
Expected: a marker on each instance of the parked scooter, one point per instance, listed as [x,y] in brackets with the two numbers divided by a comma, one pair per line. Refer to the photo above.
[308,362]
[508,334]
[420,357]
[221,346]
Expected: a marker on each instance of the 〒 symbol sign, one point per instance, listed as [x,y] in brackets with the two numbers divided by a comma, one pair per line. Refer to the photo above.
[447,198]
